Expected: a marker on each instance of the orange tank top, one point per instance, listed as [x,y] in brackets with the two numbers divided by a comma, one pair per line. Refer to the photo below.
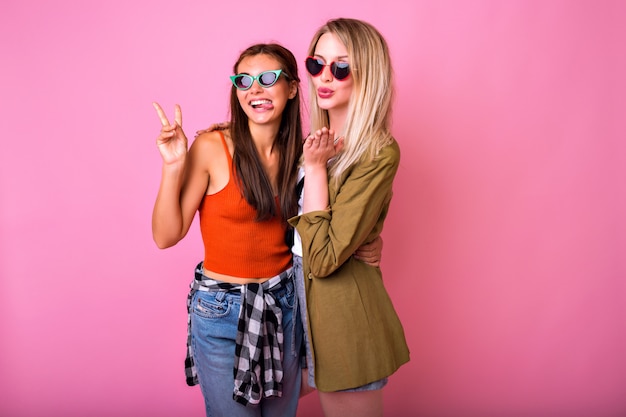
[234,242]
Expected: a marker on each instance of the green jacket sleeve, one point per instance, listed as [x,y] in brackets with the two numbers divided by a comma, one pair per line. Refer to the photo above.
[357,211]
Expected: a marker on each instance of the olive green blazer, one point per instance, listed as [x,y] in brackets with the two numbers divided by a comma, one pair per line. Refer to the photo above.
[356,335]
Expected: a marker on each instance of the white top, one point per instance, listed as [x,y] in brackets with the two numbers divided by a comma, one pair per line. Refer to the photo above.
[296,249]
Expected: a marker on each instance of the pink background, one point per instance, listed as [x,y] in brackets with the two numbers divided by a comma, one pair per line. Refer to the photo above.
[504,250]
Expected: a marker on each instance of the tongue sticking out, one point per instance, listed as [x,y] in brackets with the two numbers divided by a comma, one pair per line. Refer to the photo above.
[262,104]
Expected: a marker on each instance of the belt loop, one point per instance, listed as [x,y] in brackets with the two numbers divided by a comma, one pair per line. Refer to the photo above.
[219,297]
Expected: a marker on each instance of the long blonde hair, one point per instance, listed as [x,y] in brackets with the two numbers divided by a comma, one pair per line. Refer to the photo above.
[367,126]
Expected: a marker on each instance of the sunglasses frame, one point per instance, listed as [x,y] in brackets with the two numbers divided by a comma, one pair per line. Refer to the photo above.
[333,67]
[257,78]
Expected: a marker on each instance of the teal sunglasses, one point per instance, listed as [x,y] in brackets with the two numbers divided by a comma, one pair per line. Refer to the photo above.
[265,79]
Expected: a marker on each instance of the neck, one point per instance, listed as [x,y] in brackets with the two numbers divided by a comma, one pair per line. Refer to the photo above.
[337,120]
[264,137]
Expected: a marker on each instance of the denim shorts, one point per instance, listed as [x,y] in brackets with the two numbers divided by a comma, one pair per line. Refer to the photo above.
[299,280]
[214,319]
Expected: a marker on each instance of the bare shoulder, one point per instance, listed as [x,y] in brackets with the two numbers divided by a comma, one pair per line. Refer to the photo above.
[210,143]
[207,154]
[210,138]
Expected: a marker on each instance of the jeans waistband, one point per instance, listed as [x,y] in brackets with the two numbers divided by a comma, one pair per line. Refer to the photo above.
[202,282]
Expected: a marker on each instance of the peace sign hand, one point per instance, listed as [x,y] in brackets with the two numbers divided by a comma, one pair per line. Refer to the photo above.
[172,142]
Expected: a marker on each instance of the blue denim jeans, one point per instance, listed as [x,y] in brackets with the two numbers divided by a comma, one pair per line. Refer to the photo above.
[213,331]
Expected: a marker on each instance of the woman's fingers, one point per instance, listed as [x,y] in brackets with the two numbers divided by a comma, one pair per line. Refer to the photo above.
[214,126]
[325,138]
[178,115]
[169,132]
[161,114]
[339,144]
[320,146]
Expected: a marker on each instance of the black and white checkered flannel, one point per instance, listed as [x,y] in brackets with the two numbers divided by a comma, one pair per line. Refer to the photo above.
[258,370]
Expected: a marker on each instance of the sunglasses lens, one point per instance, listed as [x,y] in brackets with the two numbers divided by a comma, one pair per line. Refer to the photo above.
[267,79]
[314,66]
[340,70]
[242,81]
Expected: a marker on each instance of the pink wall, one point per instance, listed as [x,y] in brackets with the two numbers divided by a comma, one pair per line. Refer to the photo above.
[504,251]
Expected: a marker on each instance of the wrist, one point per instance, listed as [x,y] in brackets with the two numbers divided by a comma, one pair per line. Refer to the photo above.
[174,168]
[315,169]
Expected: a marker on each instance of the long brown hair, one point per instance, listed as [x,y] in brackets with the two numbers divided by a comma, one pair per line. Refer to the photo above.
[253,179]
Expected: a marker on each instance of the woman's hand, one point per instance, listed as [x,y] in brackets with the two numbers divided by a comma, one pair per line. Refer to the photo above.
[214,126]
[321,146]
[318,148]
[370,253]
[172,142]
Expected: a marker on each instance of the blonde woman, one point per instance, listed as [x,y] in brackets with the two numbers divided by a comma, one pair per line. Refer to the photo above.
[354,337]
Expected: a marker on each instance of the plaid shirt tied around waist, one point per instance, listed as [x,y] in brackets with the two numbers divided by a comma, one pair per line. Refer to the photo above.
[258,370]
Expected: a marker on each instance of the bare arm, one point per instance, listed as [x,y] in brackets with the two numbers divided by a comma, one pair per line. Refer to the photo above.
[318,149]
[184,181]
